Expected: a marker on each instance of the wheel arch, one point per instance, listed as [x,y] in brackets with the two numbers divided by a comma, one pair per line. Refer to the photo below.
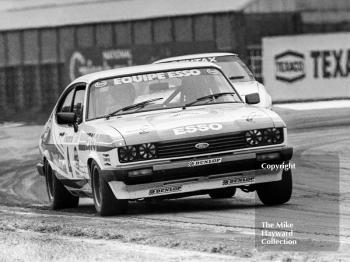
[92,158]
[89,163]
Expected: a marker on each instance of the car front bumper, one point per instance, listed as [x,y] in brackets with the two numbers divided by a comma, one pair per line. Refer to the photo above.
[194,174]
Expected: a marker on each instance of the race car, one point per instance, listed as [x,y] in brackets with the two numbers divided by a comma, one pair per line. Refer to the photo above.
[238,73]
[161,131]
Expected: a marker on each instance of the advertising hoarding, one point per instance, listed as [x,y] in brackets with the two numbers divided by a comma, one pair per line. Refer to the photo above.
[307,67]
[90,60]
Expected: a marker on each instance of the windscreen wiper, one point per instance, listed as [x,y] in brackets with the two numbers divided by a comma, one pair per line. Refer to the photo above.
[208,97]
[235,77]
[134,106]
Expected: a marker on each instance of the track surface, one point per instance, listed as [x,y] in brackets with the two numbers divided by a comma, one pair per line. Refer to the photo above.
[319,209]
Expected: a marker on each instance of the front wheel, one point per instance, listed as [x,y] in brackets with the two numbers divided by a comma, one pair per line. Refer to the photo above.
[59,196]
[105,202]
[276,193]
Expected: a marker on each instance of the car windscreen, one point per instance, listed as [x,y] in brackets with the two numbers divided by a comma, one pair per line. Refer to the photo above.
[166,89]
[234,68]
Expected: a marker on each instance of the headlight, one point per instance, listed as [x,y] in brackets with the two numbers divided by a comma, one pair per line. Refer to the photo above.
[127,154]
[147,151]
[254,137]
[263,137]
[272,135]
[137,153]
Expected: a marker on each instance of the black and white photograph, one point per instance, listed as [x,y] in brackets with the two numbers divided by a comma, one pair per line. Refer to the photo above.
[174,130]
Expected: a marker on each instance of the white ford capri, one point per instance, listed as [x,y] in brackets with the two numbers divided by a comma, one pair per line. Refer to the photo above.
[238,73]
[161,131]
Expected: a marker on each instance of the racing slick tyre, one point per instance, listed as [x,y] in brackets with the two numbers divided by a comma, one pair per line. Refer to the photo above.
[276,193]
[59,196]
[222,193]
[105,202]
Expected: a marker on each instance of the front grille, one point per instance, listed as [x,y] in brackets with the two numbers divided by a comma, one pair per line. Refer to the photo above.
[217,143]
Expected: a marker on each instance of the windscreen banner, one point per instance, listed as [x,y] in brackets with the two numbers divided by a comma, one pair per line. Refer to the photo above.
[307,67]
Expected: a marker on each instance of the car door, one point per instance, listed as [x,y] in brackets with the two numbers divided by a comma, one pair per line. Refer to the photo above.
[74,163]
[60,135]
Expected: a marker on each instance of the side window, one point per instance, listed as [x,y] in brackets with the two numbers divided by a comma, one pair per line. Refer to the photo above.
[66,102]
[78,104]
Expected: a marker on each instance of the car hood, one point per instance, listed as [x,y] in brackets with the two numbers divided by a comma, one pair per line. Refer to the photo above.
[191,122]
[246,88]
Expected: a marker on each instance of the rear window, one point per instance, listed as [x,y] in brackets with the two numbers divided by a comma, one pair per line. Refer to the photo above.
[234,68]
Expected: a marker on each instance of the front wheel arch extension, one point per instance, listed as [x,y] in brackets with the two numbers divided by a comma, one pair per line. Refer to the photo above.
[89,164]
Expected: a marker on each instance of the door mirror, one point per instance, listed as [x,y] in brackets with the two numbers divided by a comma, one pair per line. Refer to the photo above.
[66,118]
[252,99]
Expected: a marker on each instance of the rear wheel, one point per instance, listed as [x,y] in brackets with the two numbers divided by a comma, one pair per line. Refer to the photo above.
[222,193]
[105,202]
[59,196]
[276,193]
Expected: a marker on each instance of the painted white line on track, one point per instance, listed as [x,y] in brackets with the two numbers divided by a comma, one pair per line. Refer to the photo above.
[315,105]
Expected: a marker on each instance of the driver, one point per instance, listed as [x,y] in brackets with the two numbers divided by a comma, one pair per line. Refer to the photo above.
[120,96]
[195,87]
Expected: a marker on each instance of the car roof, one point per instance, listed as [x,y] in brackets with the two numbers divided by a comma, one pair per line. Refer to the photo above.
[142,69]
[193,56]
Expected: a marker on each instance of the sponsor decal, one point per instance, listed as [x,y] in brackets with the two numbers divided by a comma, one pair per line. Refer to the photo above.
[237,180]
[57,157]
[68,139]
[197,128]
[201,145]
[164,190]
[201,59]
[101,84]
[70,170]
[96,142]
[213,71]
[290,66]
[76,159]
[46,135]
[183,114]
[156,76]
[204,162]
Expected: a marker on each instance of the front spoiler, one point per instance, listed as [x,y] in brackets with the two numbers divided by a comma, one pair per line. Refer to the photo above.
[179,169]
[159,189]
